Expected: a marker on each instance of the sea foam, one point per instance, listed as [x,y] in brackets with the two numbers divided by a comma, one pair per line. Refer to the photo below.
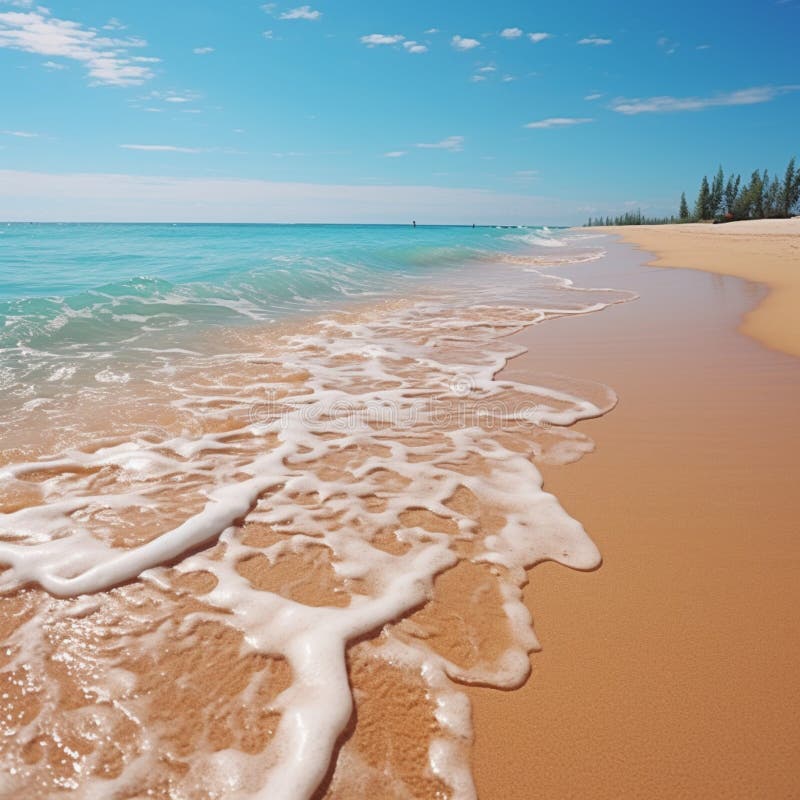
[270,505]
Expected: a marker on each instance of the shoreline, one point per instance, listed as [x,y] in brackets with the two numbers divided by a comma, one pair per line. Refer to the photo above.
[393,546]
[765,251]
[669,670]
[595,681]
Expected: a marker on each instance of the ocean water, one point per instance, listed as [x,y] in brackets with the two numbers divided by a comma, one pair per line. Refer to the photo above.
[259,444]
[76,290]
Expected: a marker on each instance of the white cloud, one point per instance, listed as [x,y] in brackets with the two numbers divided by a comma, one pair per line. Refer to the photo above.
[432,30]
[146,198]
[107,60]
[558,122]
[303,12]
[665,103]
[384,39]
[53,65]
[162,148]
[451,143]
[511,33]
[395,154]
[377,39]
[202,51]
[596,41]
[268,35]
[21,134]
[593,96]
[461,43]
[114,25]
[703,47]
[487,68]
[539,37]
[667,45]
[478,78]
[172,97]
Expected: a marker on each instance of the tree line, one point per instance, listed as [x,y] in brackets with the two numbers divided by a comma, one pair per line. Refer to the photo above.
[727,199]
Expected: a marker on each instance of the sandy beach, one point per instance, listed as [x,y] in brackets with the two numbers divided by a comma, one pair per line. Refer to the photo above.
[668,671]
[765,250]
[671,670]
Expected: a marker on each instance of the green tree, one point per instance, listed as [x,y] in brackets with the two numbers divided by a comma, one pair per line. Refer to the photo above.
[717,189]
[757,182]
[790,191]
[772,198]
[730,194]
[684,209]
[749,203]
[702,208]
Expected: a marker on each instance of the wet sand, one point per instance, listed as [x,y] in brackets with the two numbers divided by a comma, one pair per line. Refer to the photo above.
[764,250]
[671,671]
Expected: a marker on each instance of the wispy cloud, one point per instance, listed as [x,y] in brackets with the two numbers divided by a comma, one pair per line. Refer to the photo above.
[539,37]
[148,198]
[558,122]
[666,104]
[432,30]
[54,65]
[108,61]
[451,143]
[395,154]
[593,96]
[378,39]
[703,47]
[303,12]
[462,43]
[597,41]
[511,33]
[173,97]
[113,25]
[667,45]
[162,148]
[202,51]
[21,134]
[384,39]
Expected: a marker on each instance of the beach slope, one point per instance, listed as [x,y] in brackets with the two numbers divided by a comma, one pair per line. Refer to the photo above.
[764,250]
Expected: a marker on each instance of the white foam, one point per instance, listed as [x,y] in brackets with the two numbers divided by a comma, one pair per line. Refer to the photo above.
[414,391]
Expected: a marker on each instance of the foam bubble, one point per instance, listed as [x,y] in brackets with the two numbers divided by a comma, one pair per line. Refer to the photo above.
[340,472]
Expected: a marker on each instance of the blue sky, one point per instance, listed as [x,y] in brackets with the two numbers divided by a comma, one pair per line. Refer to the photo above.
[379,111]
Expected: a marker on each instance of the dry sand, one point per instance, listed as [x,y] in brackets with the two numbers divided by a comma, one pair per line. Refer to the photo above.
[766,250]
[671,671]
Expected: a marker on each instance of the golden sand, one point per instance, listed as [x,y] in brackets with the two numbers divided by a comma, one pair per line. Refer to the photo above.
[668,672]
[766,251]
[671,671]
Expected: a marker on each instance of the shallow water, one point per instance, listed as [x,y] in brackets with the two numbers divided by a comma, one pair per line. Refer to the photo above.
[200,512]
